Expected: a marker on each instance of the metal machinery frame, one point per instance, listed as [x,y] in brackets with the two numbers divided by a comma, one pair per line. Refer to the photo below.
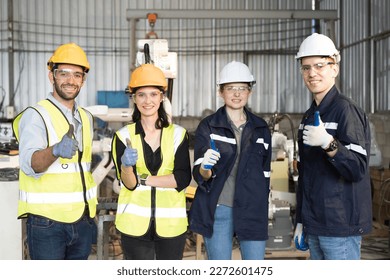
[134,15]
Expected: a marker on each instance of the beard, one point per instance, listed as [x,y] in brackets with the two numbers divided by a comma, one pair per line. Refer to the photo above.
[63,93]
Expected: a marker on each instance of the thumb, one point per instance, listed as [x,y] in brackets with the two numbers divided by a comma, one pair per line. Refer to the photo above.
[320,121]
[70,131]
[128,143]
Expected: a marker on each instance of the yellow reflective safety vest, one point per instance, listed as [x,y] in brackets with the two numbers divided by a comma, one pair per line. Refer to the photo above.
[167,206]
[65,188]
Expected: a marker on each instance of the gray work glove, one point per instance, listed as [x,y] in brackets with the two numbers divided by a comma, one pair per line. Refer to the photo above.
[130,155]
[67,147]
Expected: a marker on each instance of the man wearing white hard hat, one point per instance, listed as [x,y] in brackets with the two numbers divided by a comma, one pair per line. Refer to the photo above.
[232,168]
[334,190]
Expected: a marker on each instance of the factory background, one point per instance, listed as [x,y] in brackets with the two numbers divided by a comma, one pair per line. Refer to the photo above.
[205,34]
[31,30]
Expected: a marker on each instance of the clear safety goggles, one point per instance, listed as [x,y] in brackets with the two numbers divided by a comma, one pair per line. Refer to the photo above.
[318,67]
[234,89]
[141,96]
[64,74]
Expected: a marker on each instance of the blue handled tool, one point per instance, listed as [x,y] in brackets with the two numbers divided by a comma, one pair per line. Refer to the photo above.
[316,118]
[212,145]
[316,121]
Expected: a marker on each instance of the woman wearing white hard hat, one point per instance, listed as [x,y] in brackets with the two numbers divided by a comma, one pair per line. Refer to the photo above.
[334,190]
[232,166]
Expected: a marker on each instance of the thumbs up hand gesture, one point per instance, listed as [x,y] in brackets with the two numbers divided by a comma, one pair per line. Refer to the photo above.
[316,135]
[130,155]
[67,147]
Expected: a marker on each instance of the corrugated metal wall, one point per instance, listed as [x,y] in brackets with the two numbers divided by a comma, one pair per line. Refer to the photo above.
[268,46]
[364,42]
[380,54]
[203,47]
[39,26]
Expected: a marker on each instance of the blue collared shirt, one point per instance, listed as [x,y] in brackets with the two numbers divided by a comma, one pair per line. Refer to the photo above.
[33,137]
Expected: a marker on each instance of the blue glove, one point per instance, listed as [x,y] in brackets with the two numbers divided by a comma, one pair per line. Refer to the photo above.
[300,238]
[67,147]
[129,157]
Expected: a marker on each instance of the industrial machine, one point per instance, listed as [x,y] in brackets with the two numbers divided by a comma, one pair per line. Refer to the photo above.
[284,173]
[279,225]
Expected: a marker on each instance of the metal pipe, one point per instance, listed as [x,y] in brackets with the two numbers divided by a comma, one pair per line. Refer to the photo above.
[11,85]
[132,44]
[234,14]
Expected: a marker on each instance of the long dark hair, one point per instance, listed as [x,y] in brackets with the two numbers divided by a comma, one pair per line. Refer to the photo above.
[162,120]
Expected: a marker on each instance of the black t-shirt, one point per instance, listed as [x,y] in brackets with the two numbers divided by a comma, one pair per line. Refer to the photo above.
[153,160]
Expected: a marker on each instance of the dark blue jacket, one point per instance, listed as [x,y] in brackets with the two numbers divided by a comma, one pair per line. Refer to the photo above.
[334,194]
[250,206]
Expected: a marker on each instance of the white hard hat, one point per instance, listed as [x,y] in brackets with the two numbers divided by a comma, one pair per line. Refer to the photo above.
[318,45]
[235,72]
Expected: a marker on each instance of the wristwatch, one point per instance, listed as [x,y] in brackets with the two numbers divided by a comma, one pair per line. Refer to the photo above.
[143,178]
[332,146]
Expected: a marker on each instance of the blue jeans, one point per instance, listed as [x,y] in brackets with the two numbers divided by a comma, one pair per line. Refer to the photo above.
[220,245]
[334,248]
[51,240]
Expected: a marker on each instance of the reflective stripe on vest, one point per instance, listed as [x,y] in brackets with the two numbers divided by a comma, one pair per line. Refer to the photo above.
[55,195]
[55,198]
[135,207]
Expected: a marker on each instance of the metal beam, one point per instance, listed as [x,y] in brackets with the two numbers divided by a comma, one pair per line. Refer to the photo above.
[233,14]
[11,68]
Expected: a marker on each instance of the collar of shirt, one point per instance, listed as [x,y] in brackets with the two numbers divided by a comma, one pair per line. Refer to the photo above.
[72,117]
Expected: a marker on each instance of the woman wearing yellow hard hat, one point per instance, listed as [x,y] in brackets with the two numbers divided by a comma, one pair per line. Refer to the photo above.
[152,163]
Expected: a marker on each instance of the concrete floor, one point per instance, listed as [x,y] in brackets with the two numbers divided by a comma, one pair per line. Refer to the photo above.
[375,246]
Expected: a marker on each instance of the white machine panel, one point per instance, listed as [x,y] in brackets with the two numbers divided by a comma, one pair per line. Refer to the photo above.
[11,243]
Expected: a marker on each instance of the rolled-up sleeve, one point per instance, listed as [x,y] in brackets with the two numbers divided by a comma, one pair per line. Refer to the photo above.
[32,138]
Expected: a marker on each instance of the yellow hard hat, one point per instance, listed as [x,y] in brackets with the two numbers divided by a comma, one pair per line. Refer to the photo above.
[147,75]
[69,53]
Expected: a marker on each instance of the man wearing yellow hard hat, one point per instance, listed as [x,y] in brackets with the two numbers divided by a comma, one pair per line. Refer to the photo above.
[58,195]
